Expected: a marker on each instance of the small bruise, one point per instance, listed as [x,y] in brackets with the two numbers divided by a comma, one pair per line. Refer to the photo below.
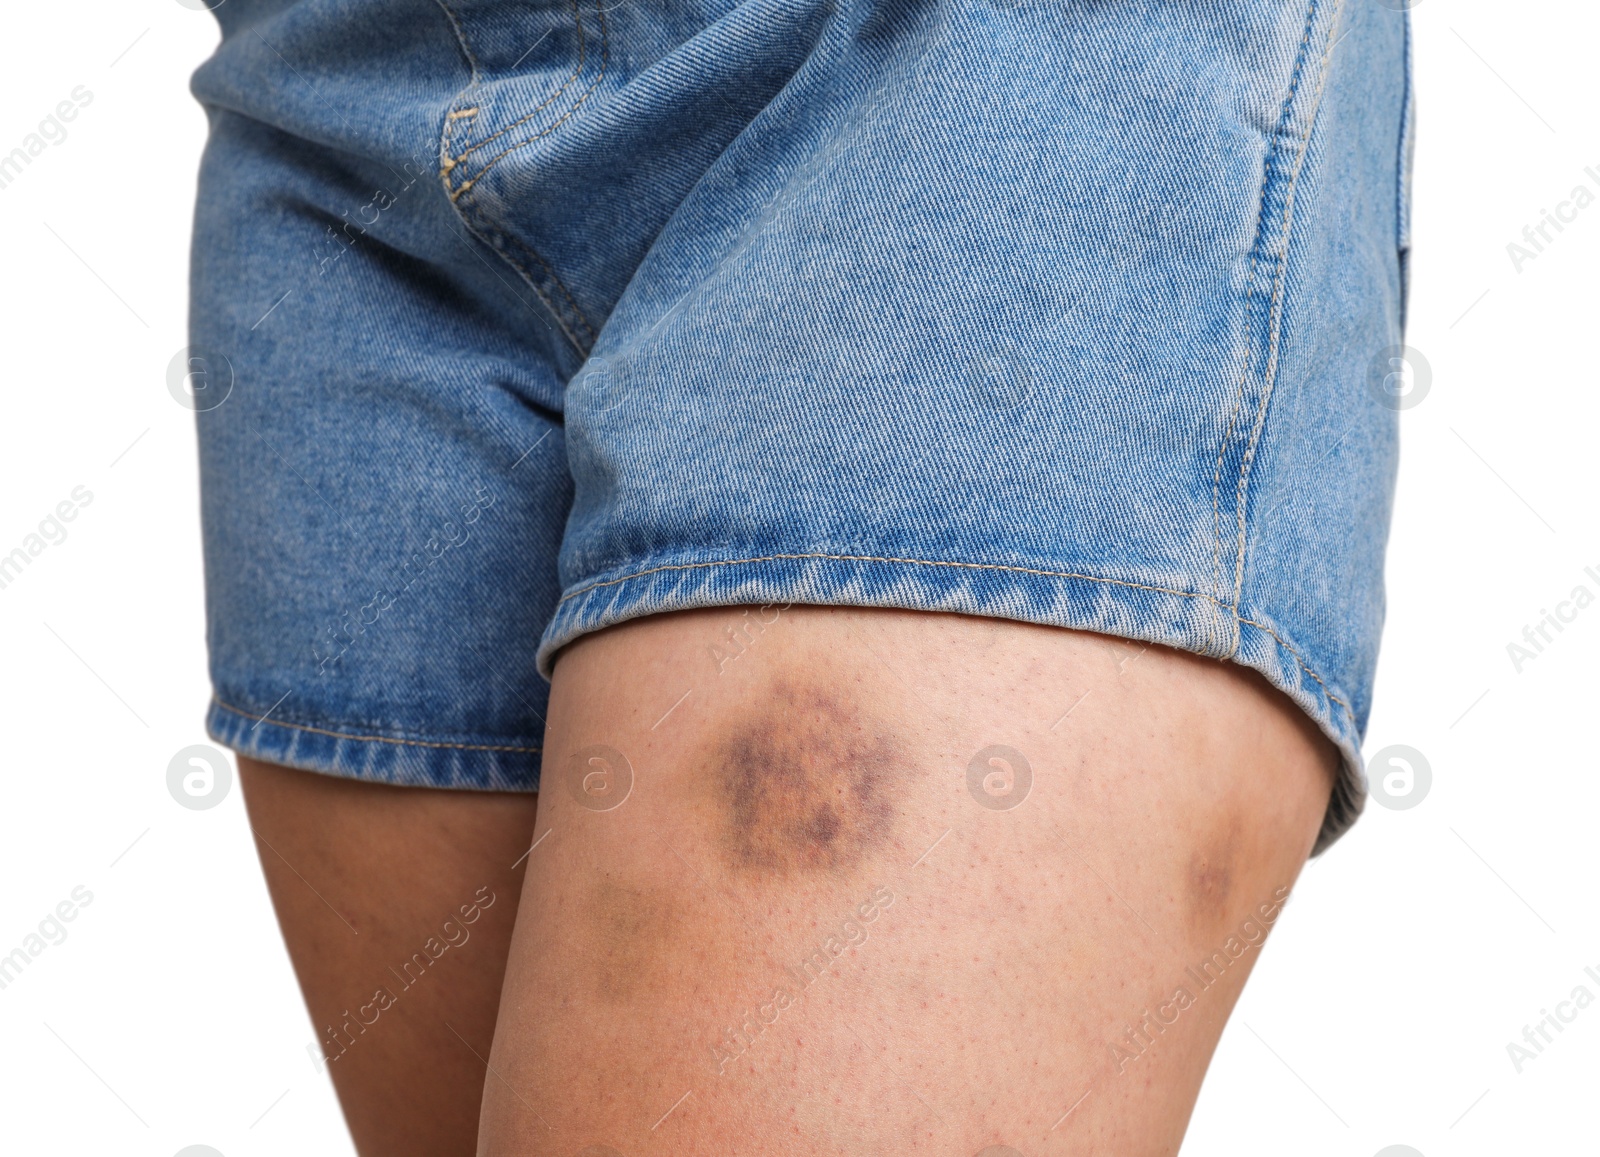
[810,784]
[1209,885]
[629,933]
[1210,879]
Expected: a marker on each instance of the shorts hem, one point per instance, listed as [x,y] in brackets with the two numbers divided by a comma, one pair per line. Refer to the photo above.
[1149,612]
[401,760]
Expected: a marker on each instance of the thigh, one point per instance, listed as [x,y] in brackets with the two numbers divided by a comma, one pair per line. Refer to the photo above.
[397,906]
[890,882]
[384,485]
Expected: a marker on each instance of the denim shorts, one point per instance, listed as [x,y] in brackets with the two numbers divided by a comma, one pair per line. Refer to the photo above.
[513,320]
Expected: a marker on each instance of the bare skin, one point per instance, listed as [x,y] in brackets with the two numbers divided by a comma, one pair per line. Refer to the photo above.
[364,878]
[832,914]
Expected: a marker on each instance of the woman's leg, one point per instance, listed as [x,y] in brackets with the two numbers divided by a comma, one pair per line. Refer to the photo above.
[397,905]
[859,881]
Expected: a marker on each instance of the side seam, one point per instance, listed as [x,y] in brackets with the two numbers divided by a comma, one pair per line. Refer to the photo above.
[1275,316]
[1262,300]
[1407,146]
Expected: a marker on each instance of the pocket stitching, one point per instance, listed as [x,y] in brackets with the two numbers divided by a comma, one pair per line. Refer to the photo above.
[605,59]
[577,71]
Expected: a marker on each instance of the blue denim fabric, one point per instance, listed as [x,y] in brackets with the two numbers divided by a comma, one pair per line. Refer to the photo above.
[541,317]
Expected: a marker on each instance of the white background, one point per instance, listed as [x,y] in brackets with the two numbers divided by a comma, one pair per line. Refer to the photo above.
[1413,953]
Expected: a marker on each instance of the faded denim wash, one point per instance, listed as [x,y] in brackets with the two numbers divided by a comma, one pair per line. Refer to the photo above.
[539,317]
